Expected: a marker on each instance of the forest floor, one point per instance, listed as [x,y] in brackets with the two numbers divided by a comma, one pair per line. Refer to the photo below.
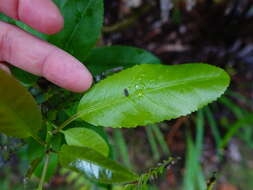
[217,33]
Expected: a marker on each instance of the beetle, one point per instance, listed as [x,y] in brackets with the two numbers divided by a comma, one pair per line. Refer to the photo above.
[126,93]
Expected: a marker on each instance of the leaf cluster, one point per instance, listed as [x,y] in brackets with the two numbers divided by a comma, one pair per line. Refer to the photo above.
[60,127]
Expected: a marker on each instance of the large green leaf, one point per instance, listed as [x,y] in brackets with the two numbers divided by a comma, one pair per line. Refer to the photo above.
[83,22]
[106,58]
[150,93]
[86,138]
[94,166]
[19,114]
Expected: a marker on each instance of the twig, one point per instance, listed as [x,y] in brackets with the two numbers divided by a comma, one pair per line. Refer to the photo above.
[44,172]
[65,123]
[121,25]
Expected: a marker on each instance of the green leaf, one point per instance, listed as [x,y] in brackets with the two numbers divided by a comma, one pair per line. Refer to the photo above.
[56,141]
[34,164]
[26,78]
[106,58]
[136,187]
[83,24]
[22,26]
[86,138]
[192,181]
[150,93]
[34,149]
[94,166]
[51,169]
[19,114]
[97,129]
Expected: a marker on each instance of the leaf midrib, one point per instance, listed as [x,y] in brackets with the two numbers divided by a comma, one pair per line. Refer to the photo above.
[77,25]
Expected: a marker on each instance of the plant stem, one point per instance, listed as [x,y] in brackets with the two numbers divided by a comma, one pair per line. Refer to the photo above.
[65,123]
[125,23]
[43,176]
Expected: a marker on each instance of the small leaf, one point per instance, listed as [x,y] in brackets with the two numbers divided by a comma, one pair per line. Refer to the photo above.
[56,141]
[19,114]
[155,93]
[26,78]
[97,129]
[34,164]
[34,149]
[94,166]
[51,169]
[105,58]
[86,138]
[83,24]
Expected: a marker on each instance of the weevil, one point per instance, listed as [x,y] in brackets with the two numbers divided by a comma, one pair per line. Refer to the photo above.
[126,93]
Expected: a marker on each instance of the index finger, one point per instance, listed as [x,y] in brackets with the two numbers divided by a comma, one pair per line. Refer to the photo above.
[42,15]
[27,52]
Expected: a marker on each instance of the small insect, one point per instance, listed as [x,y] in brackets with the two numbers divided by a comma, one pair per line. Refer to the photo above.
[126,93]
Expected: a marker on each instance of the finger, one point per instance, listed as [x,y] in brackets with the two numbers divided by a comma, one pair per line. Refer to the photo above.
[40,58]
[4,67]
[42,15]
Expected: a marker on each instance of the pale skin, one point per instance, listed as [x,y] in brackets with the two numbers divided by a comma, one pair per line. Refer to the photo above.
[31,54]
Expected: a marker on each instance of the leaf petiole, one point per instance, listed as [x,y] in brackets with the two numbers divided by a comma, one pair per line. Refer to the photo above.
[65,123]
[43,176]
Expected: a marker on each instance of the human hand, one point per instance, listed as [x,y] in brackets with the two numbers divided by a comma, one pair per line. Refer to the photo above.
[29,53]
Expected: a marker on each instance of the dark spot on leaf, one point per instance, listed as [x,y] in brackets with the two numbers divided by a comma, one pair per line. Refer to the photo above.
[126,93]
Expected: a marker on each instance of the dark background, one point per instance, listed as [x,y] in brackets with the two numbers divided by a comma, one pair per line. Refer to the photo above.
[215,32]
